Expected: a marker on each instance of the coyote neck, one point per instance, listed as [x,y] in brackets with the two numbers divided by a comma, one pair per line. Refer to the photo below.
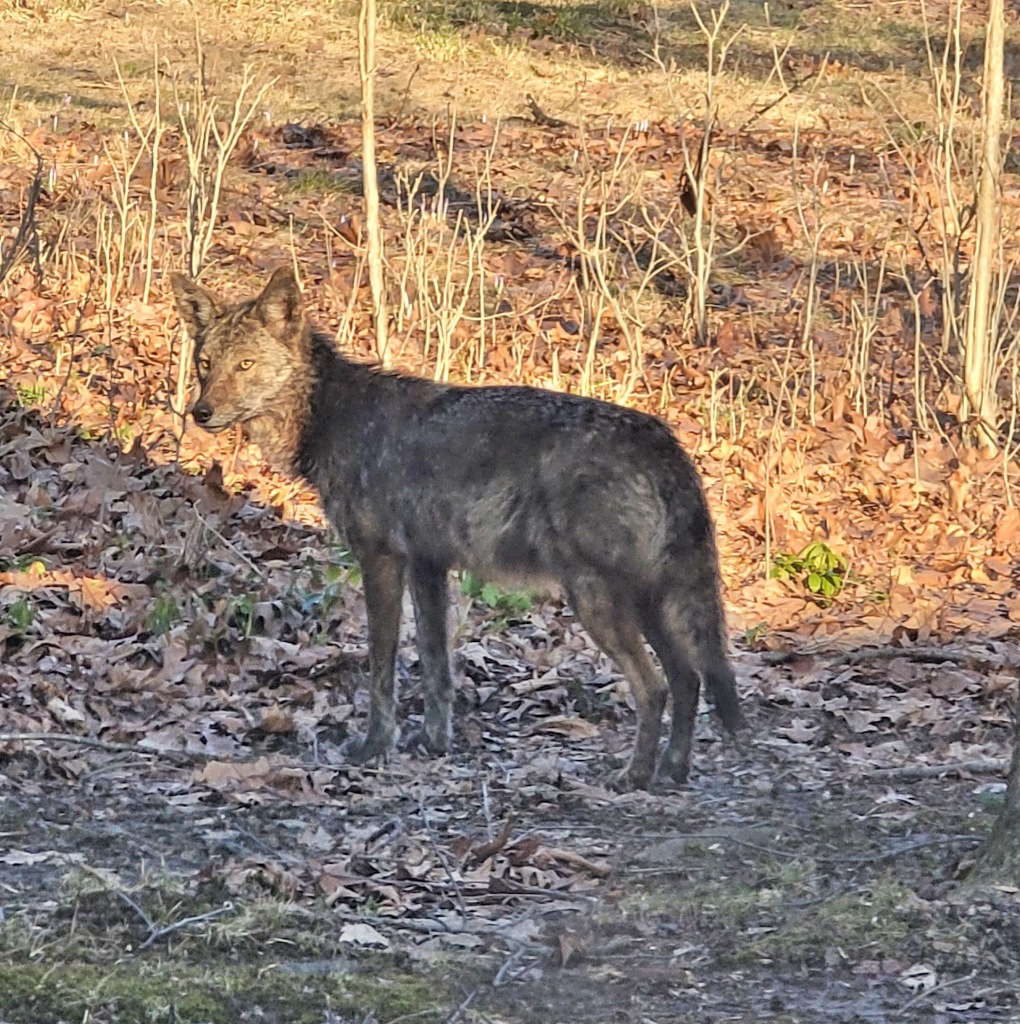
[343,395]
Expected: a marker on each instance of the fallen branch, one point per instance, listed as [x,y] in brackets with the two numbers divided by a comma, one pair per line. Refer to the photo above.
[935,988]
[980,766]
[133,904]
[481,852]
[462,1009]
[542,118]
[157,933]
[514,959]
[796,84]
[899,851]
[428,926]
[87,741]
[922,655]
[772,851]
[575,860]
[160,933]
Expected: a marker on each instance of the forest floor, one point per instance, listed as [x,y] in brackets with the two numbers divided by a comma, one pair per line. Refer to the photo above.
[182,640]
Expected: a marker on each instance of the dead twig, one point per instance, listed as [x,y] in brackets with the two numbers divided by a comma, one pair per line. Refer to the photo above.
[462,1009]
[935,988]
[406,95]
[772,851]
[227,544]
[371,1018]
[428,926]
[511,962]
[87,741]
[979,766]
[28,230]
[227,908]
[480,853]
[133,904]
[575,860]
[74,337]
[544,119]
[454,881]
[922,655]
[693,190]
[796,84]
[156,933]
[877,858]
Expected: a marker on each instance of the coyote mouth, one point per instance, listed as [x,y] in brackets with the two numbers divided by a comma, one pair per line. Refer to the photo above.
[213,426]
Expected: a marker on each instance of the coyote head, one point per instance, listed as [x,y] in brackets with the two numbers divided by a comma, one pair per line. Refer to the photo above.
[251,357]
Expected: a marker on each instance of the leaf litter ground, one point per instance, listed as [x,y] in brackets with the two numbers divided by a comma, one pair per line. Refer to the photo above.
[187,845]
[810,868]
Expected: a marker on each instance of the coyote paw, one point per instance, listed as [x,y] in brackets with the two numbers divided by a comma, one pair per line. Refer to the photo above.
[363,748]
[632,777]
[672,769]
[420,740]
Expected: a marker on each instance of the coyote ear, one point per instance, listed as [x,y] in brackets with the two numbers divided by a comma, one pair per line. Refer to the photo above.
[279,307]
[197,306]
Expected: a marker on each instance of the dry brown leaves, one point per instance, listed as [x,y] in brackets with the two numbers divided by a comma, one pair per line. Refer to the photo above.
[195,609]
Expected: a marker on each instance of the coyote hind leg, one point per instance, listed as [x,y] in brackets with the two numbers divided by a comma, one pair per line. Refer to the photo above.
[686,631]
[613,624]
[429,593]
[685,688]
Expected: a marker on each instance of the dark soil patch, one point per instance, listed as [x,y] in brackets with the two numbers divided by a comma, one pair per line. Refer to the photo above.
[772,889]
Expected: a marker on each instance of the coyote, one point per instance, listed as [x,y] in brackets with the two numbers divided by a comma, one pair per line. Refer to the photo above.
[420,477]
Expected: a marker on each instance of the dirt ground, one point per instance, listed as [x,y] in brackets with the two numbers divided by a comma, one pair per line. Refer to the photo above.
[182,642]
[189,846]
[791,881]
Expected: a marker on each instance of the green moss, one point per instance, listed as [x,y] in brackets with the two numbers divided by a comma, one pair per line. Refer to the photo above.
[317,181]
[143,991]
[872,922]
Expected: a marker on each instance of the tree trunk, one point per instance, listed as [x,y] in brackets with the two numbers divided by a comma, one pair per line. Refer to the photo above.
[980,406]
[370,177]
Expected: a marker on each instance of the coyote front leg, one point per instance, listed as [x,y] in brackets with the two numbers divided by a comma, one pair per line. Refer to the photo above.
[428,590]
[383,576]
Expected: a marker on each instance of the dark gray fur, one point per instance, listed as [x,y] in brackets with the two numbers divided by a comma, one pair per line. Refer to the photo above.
[420,477]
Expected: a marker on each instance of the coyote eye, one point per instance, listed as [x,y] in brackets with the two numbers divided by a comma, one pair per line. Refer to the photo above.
[203,365]
[246,364]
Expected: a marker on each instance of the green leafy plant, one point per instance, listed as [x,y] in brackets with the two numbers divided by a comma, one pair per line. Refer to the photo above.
[20,615]
[817,568]
[753,634]
[241,613]
[326,586]
[21,563]
[30,394]
[505,603]
[163,614]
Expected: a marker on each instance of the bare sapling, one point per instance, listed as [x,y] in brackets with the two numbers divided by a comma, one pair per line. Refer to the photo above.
[979,408]
[210,141]
[149,135]
[442,277]
[370,178]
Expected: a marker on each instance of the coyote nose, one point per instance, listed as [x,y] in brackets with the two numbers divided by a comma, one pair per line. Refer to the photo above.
[202,412]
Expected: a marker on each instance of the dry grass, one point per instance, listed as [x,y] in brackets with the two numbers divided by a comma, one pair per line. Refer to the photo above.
[808,276]
[588,60]
[819,401]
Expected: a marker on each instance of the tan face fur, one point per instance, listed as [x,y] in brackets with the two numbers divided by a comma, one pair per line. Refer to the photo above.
[248,356]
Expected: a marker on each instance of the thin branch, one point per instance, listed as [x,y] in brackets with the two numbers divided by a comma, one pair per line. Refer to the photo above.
[87,741]
[227,908]
[27,227]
